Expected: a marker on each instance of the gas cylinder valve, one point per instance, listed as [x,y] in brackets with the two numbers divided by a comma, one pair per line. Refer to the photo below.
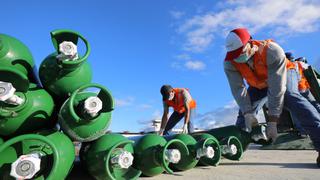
[229,149]
[68,51]
[7,94]
[26,166]
[124,160]
[92,106]
[206,151]
[173,155]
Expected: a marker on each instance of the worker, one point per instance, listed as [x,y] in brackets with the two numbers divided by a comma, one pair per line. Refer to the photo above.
[263,65]
[303,85]
[304,89]
[289,56]
[297,75]
[183,105]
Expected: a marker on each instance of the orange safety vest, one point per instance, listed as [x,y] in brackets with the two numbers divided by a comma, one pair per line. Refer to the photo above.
[178,101]
[257,77]
[303,83]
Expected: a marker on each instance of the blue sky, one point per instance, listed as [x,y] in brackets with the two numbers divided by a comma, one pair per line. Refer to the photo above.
[137,46]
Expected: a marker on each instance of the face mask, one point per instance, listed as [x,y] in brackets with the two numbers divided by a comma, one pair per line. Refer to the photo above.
[171,96]
[247,54]
[243,58]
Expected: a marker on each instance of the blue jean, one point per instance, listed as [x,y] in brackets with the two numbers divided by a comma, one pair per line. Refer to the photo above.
[258,98]
[308,95]
[293,79]
[301,110]
[304,114]
[175,118]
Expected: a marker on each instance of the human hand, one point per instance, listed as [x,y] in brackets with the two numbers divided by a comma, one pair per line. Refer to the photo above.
[272,131]
[185,129]
[250,121]
[160,133]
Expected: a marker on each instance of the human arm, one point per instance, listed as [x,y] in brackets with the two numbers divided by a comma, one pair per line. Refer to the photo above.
[238,88]
[187,99]
[164,118]
[277,79]
[239,92]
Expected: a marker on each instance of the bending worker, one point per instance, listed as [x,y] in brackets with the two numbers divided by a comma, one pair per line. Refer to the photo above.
[264,67]
[303,86]
[183,105]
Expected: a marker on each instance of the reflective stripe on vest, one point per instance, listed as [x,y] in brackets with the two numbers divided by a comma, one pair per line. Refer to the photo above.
[303,83]
[257,77]
[178,102]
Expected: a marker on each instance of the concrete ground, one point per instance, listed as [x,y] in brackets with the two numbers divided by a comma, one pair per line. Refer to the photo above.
[255,165]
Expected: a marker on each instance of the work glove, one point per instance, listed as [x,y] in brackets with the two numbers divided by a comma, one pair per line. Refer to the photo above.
[185,129]
[250,120]
[272,131]
[160,133]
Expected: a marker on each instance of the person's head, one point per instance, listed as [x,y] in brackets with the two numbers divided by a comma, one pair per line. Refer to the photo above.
[238,46]
[289,56]
[301,59]
[167,92]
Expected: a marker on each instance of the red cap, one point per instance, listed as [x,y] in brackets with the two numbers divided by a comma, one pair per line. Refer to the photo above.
[235,42]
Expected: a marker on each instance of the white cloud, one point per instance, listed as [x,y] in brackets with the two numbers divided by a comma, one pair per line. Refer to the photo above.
[176,65]
[279,17]
[195,65]
[157,114]
[223,116]
[219,117]
[176,14]
[128,101]
[147,124]
[185,61]
[183,57]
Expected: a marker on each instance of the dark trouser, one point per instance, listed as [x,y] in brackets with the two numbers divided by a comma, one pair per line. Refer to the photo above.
[174,119]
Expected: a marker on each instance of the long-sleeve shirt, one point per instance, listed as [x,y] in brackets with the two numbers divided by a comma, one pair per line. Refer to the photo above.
[277,77]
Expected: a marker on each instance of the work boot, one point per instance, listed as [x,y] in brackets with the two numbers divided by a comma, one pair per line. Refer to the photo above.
[318,160]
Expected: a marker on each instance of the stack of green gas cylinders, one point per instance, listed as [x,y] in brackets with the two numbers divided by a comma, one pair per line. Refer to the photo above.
[42,115]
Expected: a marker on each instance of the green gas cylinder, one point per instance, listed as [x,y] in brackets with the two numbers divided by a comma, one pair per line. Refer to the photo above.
[208,149]
[231,148]
[65,70]
[110,158]
[202,148]
[16,63]
[190,160]
[23,112]
[153,154]
[232,130]
[86,115]
[256,135]
[47,155]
